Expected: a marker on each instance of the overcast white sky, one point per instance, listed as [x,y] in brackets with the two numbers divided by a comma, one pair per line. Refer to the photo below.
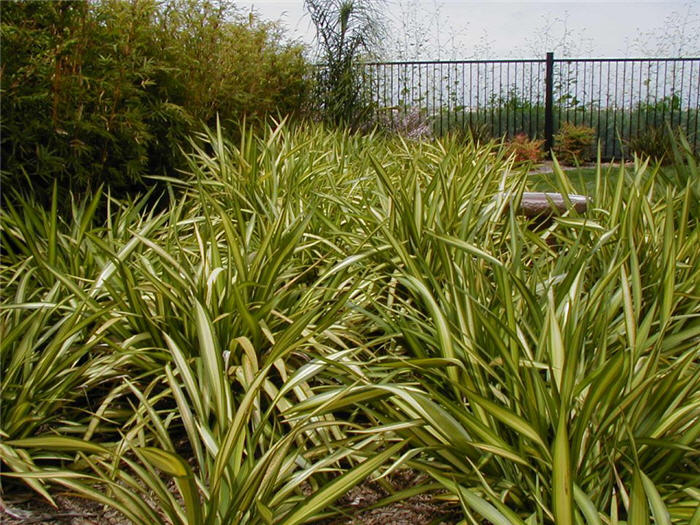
[450,29]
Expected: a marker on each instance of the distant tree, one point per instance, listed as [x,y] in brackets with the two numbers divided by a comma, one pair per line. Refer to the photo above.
[417,35]
[677,36]
[420,34]
[346,31]
[557,35]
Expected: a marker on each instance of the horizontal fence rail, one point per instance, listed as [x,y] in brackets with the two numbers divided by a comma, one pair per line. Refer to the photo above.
[620,99]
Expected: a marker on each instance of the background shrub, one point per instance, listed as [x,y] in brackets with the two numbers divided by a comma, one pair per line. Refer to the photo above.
[656,142]
[230,65]
[411,123]
[107,91]
[573,143]
[526,149]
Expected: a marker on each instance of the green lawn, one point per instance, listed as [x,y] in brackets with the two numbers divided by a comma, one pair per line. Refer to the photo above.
[583,179]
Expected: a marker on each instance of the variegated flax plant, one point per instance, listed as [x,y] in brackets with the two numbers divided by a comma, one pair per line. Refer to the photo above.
[317,308]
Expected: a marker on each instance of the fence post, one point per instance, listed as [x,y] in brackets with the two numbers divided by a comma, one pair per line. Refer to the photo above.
[549,104]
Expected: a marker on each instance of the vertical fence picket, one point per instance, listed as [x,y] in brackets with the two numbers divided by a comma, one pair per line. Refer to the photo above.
[549,103]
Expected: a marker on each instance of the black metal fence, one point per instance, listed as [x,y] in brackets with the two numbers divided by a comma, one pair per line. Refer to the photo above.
[620,98]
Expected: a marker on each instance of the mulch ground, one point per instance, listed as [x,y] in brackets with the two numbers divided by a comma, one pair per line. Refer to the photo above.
[424,509]
[28,508]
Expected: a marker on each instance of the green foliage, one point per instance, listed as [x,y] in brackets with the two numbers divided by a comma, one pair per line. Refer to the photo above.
[573,143]
[317,307]
[230,65]
[540,363]
[106,92]
[610,123]
[654,142]
[345,31]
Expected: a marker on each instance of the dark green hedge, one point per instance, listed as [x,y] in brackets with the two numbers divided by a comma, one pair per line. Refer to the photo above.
[107,91]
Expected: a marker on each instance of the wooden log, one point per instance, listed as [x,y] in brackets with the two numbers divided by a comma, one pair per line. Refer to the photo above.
[539,204]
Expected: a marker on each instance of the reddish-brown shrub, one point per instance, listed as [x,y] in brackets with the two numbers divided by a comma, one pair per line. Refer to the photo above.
[526,149]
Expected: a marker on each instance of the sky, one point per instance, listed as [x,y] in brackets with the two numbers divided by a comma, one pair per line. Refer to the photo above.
[450,29]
